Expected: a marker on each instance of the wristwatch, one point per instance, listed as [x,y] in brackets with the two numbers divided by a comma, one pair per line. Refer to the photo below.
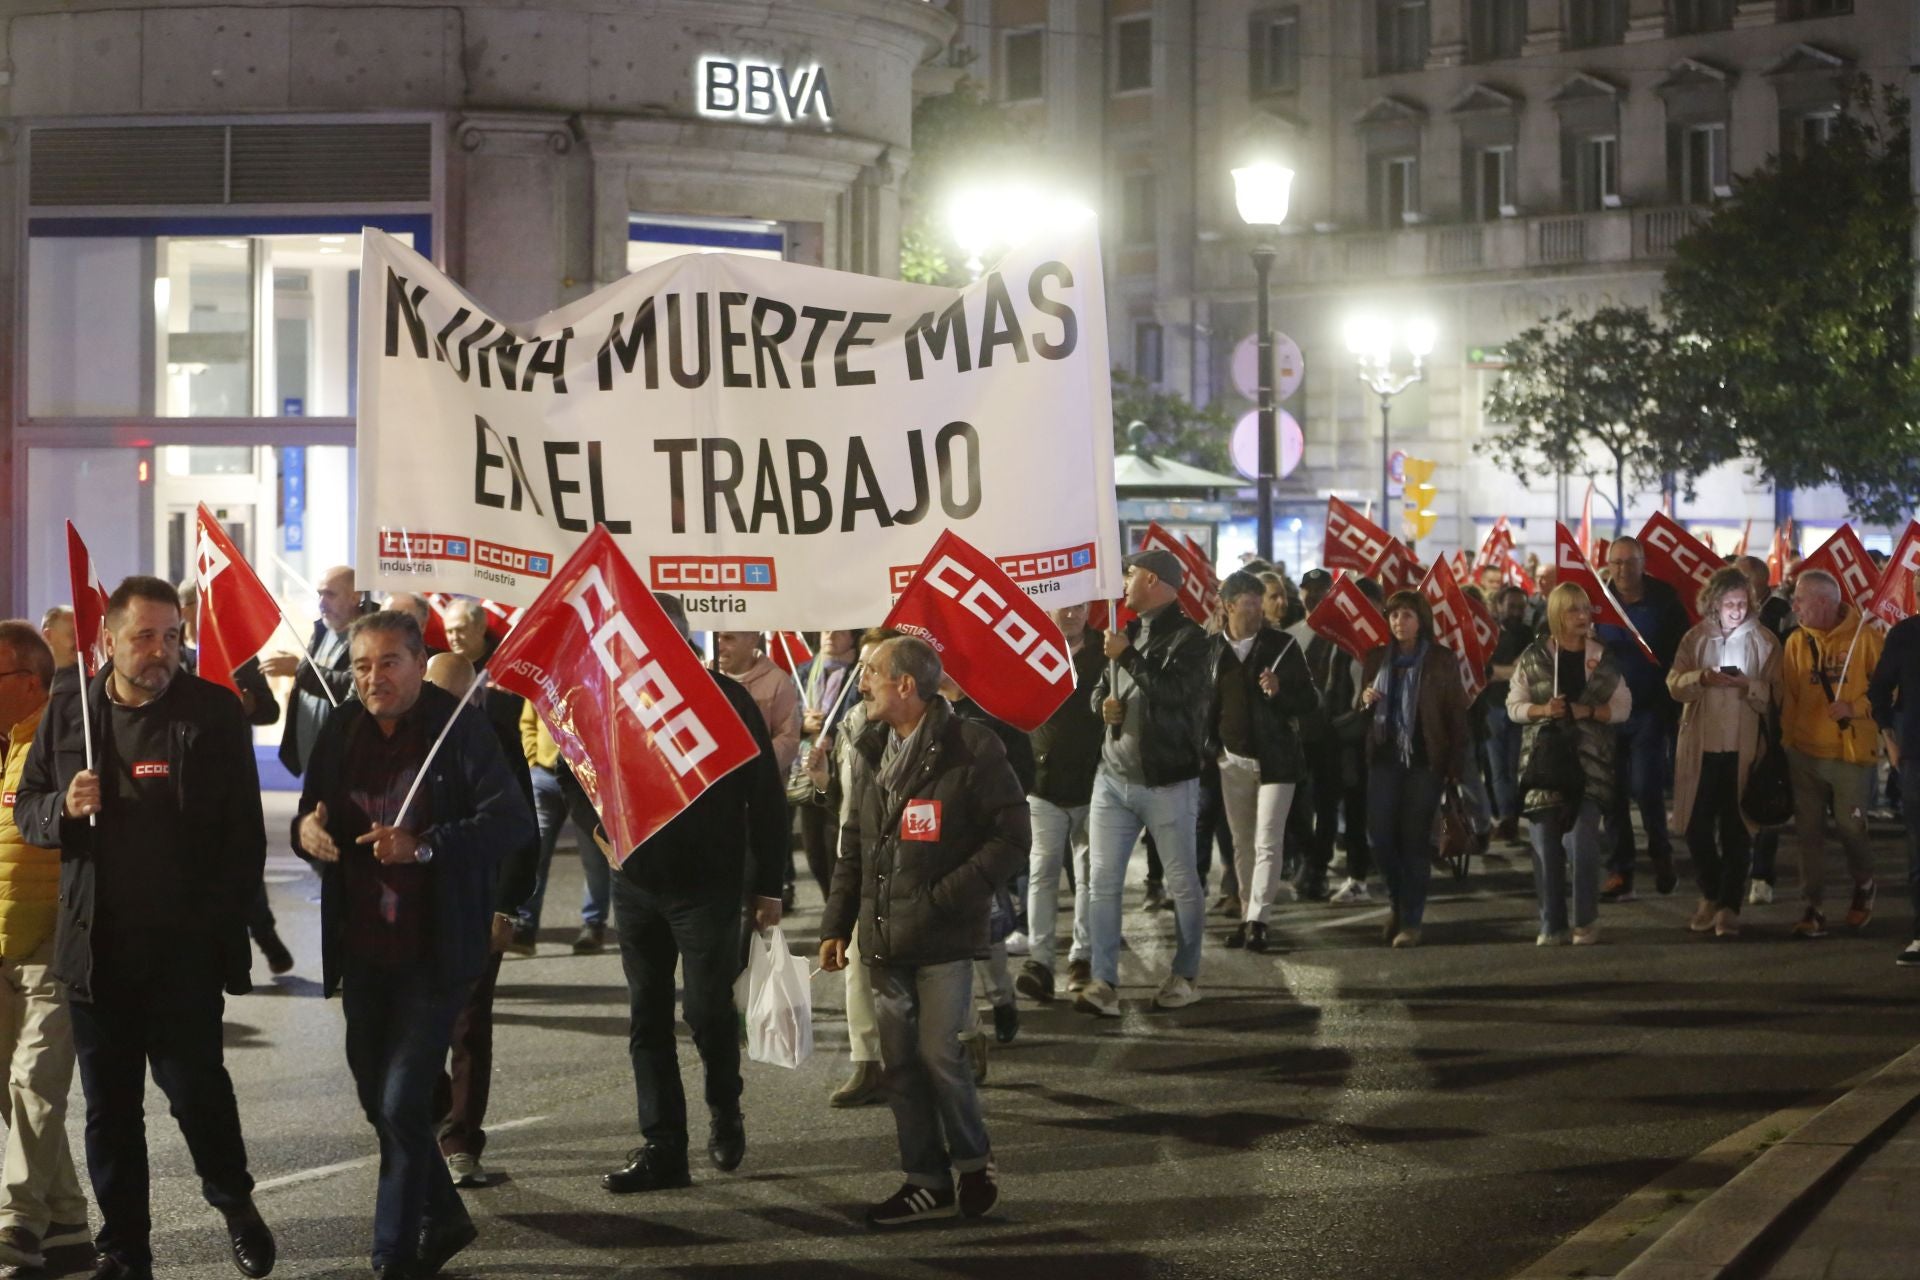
[423,853]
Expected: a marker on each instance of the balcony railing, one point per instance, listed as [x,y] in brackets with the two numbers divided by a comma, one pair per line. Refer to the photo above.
[1513,245]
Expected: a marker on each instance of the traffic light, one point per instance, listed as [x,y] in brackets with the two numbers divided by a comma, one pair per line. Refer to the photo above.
[1420,494]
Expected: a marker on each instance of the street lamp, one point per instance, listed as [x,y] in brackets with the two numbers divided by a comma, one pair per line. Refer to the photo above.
[1003,215]
[1371,340]
[1261,192]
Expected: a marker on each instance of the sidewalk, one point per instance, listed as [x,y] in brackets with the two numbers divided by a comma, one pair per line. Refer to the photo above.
[1832,1200]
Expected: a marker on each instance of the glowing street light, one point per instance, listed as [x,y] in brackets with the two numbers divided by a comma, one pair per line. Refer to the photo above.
[1261,192]
[1371,340]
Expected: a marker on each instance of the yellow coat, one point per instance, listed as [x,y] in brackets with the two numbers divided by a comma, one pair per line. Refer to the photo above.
[1804,724]
[536,743]
[29,875]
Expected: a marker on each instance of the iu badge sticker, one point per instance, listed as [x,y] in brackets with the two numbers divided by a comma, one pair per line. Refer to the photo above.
[920,820]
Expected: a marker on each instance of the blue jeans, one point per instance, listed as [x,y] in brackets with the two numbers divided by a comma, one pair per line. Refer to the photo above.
[399,1028]
[922,1013]
[1058,835]
[1401,804]
[1114,820]
[1555,845]
[1640,751]
[1503,762]
[554,802]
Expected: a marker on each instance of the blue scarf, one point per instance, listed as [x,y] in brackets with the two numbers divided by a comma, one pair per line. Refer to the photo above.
[1396,713]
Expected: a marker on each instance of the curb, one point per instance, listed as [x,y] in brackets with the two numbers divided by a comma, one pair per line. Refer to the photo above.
[1733,1229]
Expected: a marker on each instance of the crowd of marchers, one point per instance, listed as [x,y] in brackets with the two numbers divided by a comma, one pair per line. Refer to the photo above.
[132,847]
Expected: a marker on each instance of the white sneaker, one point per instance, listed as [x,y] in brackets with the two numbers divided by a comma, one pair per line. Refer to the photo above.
[465,1170]
[1100,998]
[1586,937]
[1352,893]
[1018,945]
[1177,993]
[1559,939]
[1759,893]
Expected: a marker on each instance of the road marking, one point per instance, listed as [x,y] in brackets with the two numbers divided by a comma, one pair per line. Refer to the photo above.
[328,1170]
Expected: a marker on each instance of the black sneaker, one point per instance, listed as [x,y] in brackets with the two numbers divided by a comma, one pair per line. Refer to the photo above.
[912,1204]
[1006,1022]
[1257,937]
[1035,982]
[979,1191]
[1910,958]
[1238,938]
[274,952]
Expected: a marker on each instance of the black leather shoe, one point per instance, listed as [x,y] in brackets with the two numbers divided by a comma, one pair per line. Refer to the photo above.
[439,1244]
[649,1168]
[253,1248]
[1256,937]
[108,1267]
[727,1142]
[398,1271]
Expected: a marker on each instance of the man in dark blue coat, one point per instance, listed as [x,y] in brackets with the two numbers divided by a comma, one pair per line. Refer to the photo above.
[406,910]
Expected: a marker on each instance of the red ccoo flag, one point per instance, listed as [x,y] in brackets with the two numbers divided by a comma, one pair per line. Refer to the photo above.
[1397,569]
[1202,564]
[993,639]
[1894,599]
[1349,619]
[789,651]
[1462,568]
[1571,566]
[1457,627]
[1516,575]
[89,604]
[1493,551]
[1847,560]
[1780,552]
[1193,588]
[1678,559]
[236,611]
[1353,541]
[636,715]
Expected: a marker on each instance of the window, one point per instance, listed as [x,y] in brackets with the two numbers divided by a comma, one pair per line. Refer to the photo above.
[193,326]
[1274,44]
[1792,9]
[1596,22]
[1813,130]
[1394,191]
[1691,17]
[1491,178]
[1139,220]
[1149,351]
[1132,55]
[1596,172]
[1496,29]
[1400,35]
[1700,164]
[1024,76]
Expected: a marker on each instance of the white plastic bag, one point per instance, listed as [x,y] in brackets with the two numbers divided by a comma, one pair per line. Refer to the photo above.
[779,1003]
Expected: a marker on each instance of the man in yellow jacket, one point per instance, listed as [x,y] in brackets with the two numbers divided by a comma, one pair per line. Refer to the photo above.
[42,1209]
[1832,743]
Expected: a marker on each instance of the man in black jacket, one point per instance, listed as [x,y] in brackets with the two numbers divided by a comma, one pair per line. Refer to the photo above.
[1066,751]
[162,847]
[1154,698]
[325,681]
[407,894]
[1894,692]
[937,824]
[678,897]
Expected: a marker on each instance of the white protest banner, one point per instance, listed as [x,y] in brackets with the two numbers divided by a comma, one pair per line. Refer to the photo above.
[765,439]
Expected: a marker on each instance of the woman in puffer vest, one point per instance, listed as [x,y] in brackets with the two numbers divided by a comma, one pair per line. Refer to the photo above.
[1568,676]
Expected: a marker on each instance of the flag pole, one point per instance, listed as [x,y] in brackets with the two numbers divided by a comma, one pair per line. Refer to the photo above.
[780,638]
[434,750]
[307,657]
[86,726]
[853,678]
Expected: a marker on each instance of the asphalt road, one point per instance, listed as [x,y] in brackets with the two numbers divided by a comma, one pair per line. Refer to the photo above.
[1339,1110]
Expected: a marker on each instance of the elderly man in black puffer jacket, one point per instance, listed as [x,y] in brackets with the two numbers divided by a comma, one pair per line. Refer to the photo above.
[938,822]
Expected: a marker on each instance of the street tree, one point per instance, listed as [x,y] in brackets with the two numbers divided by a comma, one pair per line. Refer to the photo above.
[957,136]
[1574,386]
[1176,428]
[1793,306]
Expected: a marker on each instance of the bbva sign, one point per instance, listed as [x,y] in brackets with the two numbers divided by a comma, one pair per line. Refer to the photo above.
[763,92]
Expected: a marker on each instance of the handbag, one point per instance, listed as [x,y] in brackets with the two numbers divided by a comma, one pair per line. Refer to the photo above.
[1456,834]
[1767,800]
[1554,764]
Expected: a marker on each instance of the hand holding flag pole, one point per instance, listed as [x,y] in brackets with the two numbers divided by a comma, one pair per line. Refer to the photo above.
[400,819]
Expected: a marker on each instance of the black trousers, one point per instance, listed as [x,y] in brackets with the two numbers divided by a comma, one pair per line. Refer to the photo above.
[1325,791]
[703,934]
[820,838]
[1353,773]
[157,1003]
[1717,835]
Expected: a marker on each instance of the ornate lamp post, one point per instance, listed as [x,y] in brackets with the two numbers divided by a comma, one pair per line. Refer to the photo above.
[1261,191]
[1371,340]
